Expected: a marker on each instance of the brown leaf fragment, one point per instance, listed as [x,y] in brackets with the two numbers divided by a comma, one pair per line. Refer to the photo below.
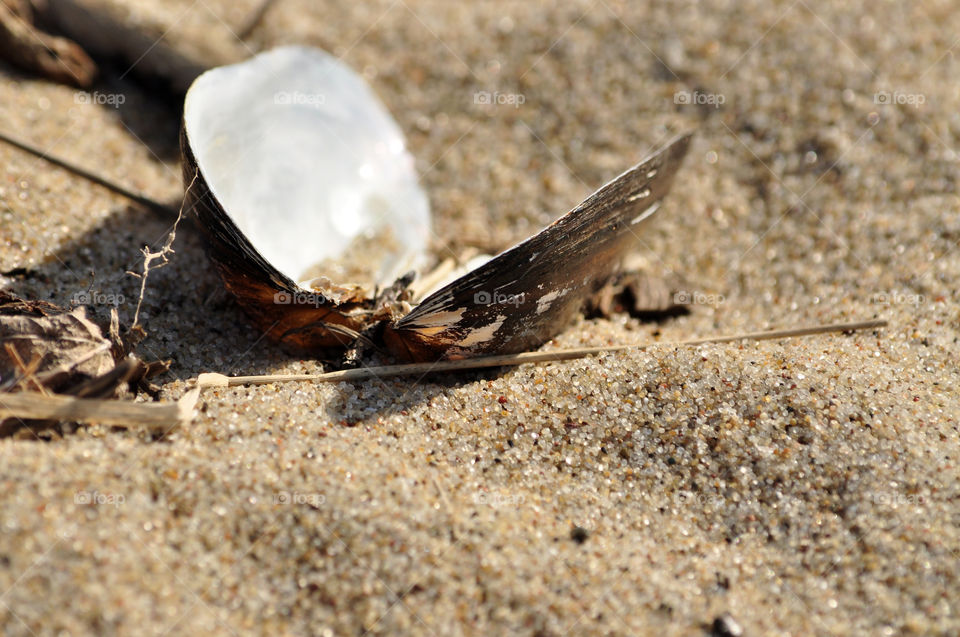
[64,347]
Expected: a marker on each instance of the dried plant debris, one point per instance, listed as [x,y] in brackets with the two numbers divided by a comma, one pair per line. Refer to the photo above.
[166,58]
[50,350]
[638,293]
[24,413]
[27,47]
[48,345]
[89,32]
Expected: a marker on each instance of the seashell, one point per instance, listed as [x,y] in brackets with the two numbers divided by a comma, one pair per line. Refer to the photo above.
[298,174]
[291,161]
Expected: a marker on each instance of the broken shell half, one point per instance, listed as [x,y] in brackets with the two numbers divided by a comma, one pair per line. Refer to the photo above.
[298,174]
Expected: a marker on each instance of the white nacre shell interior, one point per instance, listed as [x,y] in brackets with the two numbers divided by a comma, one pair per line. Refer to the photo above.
[304,158]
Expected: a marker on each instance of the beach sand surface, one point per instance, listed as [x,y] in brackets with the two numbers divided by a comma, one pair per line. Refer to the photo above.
[793,487]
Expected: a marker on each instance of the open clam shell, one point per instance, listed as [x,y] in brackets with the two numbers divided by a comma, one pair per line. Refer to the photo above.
[291,161]
[295,169]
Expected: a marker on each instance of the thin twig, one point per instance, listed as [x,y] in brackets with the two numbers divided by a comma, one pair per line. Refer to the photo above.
[150,257]
[143,200]
[220,380]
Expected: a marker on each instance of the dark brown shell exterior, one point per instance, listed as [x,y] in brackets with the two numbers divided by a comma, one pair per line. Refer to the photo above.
[525,296]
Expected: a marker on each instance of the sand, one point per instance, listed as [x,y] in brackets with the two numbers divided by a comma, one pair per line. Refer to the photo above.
[802,487]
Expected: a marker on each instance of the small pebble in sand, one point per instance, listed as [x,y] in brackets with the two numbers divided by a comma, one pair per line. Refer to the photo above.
[579,534]
[726,626]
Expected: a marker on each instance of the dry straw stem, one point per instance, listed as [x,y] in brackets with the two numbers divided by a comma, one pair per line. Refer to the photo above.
[158,417]
[219,380]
